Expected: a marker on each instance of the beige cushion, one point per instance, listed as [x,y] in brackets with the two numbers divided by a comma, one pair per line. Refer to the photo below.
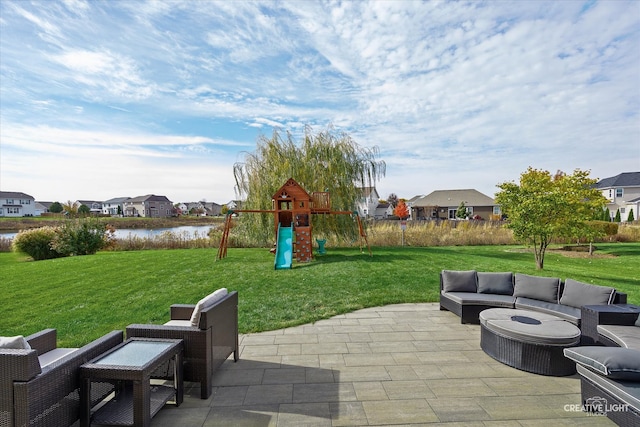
[17,343]
[206,302]
[179,323]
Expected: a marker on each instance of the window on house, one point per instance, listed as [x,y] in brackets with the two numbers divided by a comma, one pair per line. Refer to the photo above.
[619,192]
[9,201]
[496,210]
[622,210]
[13,210]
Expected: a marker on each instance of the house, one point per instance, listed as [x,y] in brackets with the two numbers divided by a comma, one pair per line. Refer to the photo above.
[16,204]
[234,204]
[95,207]
[410,203]
[383,211]
[114,206]
[367,204]
[623,192]
[150,206]
[42,207]
[443,204]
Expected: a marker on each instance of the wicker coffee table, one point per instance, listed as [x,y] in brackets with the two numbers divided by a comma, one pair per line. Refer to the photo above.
[131,366]
[528,340]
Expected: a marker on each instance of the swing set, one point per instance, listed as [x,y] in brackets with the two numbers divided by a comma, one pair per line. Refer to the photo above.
[292,210]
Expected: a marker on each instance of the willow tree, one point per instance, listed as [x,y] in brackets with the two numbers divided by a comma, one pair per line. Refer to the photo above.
[324,161]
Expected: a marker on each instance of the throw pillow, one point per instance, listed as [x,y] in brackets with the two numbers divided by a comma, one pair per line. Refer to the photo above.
[495,283]
[205,303]
[17,343]
[459,281]
[535,287]
[613,362]
[576,294]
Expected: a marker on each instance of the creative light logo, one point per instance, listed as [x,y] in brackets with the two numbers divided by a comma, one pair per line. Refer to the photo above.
[598,406]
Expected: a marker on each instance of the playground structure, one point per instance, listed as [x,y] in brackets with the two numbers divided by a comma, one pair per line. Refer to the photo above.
[292,210]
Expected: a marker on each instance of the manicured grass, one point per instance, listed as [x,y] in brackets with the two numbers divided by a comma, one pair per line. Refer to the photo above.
[88,296]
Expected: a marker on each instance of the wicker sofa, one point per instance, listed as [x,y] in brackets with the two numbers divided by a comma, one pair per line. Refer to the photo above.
[610,375]
[468,293]
[210,334]
[39,386]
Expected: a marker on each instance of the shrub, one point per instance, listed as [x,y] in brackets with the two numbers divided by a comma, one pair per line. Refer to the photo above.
[80,237]
[36,243]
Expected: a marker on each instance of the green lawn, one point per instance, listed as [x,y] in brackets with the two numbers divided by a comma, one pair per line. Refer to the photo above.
[85,297]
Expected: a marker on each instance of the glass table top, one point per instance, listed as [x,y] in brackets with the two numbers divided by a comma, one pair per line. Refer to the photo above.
[135,353]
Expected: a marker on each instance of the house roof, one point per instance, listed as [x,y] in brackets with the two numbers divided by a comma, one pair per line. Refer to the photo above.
[453,198]
[149,198]
[14,195]
[626,179]
[116,200]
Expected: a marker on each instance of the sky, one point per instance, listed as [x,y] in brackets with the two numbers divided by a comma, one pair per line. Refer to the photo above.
[105,99]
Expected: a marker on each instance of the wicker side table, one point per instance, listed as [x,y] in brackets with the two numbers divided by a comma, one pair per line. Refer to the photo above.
[611,314]
[131,365]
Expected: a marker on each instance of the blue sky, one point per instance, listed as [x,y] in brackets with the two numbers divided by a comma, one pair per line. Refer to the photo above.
[105,99]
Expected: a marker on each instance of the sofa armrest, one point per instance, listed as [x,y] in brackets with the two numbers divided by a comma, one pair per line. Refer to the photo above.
[619,298]
[224,311]
[18,365]
[43,341]
[182,311]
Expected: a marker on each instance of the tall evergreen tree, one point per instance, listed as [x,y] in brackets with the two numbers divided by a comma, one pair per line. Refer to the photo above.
[618,218]
[630,217]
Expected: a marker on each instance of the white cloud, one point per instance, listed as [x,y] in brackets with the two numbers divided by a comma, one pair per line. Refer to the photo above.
[459,94]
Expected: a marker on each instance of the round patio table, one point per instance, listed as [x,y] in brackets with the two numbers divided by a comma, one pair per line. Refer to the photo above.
[528,340]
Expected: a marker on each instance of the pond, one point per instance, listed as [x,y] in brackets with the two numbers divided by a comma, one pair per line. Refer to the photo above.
[184,231]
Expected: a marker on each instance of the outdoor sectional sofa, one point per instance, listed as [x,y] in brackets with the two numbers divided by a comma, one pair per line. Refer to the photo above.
[39,382]
[610,376]
[468,293]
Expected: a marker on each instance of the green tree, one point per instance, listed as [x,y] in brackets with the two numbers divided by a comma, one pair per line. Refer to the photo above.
[618,218]
[56,207]
[462,212]
[84,210]
[606,216]
[630,217]
[323,161]
[543,206]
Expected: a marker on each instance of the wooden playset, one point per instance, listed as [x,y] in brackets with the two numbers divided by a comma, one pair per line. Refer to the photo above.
[292,209]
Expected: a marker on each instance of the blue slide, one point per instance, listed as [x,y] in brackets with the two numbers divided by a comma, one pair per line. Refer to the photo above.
[284,247]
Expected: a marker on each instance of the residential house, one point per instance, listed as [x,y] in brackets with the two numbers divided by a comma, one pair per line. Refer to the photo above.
[443,204]
[234,204]
[150,206]
[95,207]
[367,204]
[623,192]
[114,206]
[410,203]
[16,204]
[42,207]
[383,211]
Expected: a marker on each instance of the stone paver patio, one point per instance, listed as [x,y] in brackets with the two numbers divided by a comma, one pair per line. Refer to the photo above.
[401,365]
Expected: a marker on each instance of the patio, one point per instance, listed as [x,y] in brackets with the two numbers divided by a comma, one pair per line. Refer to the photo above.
[403,364]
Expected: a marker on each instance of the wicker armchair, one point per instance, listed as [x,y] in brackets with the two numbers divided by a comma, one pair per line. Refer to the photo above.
[47,395]
[207,345]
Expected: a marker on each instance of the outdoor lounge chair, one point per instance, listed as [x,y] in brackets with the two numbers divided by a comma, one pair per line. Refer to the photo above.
[39,386]
[210,336]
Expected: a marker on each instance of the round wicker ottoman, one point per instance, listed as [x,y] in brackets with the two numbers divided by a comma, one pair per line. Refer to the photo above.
[528,340]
